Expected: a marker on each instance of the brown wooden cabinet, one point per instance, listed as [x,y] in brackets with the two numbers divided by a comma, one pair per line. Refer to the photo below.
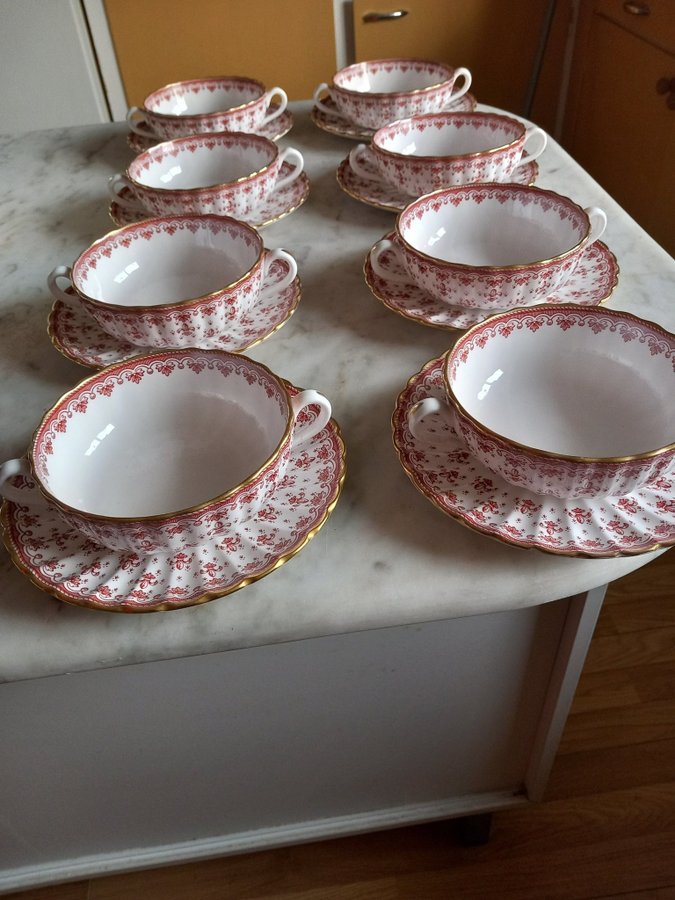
[497,41]
[619,126]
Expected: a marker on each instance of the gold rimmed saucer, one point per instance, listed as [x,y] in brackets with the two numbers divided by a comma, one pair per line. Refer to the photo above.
[454,481]
[62,562]
[376,192]
[277,206]
[591,284]
[335,124]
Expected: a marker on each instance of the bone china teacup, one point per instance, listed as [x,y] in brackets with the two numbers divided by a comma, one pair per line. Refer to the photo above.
[568,401]
[167,450]
[226,174]
[172,282]
[222,103]
[424,153]
[490,246]
[378,91]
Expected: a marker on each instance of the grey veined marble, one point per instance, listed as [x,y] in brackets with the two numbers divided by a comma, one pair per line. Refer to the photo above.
[386,556]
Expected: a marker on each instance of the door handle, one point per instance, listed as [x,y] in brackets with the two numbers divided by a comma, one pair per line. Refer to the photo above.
[384,16]
[636,8]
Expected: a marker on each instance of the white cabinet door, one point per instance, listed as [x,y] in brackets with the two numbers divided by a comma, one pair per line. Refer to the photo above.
[49,73]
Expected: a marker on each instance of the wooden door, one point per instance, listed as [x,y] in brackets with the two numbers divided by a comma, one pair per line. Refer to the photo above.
[289,43]
[497,40]
[621,129]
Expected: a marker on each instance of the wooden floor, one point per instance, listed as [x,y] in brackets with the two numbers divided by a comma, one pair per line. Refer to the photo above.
[606,828]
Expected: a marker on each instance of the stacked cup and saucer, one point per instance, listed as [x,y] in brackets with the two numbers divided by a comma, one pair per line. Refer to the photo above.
[208,147]
[547,425]
[182,470]
[461,253]
[549,428]
[220,103]
[366,95]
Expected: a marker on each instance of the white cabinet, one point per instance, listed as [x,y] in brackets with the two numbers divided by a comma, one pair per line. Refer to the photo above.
[49,72]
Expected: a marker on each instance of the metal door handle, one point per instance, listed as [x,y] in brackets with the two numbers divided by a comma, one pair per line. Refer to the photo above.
[636,8]
[384,16]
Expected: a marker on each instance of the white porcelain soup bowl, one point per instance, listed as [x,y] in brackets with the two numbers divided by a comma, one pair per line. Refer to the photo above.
[219,103]
[226,174]
[168,450]
[491,246]
[378,91]
[563,400]
[172,282]
[423,153]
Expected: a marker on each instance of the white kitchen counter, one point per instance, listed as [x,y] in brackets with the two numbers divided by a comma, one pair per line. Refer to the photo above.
[386,556]
[400,668]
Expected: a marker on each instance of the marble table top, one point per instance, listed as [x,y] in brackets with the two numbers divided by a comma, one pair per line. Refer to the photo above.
[386,556]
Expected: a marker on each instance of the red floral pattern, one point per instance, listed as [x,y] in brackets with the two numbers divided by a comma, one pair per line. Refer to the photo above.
[247,115]
[417,174]
[493,287]
[329,121]
[379,193]
[457,483]
[591,284]
[274,129]
[182,529]
[175,325]
[547,474]
[64,563]
[372,110]
[79,337]
[278,204]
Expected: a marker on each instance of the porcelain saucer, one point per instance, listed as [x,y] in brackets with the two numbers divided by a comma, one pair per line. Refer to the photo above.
[79,337]
[443,470]
[62,562]
[334,124]
[591,284]
[278,205]
[274,130]
[382,195]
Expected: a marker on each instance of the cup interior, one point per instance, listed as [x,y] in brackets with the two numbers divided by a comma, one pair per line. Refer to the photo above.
[202,161]
[386,76]
[493,225]
[161,434]
[452,134]
[165,261]
[202,97]
[582,384]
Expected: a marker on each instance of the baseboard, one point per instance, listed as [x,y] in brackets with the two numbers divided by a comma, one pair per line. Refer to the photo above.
[97,866]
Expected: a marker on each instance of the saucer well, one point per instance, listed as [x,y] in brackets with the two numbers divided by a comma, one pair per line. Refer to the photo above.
[334,124]
[381,195]
[278,205]
[591,284]
[65,564]
[274,130]
[443,470]
[79,337]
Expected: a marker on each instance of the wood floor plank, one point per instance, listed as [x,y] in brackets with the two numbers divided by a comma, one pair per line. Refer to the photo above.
[587,772]
[624,651]
[664,893]
[656,579]
[76,890]
[597,868]
[642,613]
[606,689]
[642,723]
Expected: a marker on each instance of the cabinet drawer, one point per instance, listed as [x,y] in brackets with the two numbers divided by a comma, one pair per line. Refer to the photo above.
[658,26]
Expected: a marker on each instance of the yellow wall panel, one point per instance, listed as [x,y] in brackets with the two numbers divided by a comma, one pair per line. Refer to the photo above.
[289,43]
